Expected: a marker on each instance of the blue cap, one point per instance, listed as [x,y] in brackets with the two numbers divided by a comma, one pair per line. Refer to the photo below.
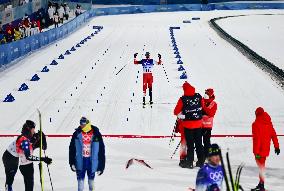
[83,121]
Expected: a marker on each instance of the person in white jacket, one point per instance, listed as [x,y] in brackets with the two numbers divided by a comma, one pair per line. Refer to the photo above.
[67,11]
[51,14]
[78,10]
[61,14]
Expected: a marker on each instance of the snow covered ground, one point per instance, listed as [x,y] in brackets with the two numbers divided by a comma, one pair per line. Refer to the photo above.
[85,83]
[262,33]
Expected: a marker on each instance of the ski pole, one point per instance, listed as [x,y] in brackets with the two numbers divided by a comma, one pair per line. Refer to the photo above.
[176,149]
[173,132]
[49,173]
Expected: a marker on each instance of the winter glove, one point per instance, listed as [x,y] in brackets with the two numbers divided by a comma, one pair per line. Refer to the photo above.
[35,140]
[47,160]
[73,168]
[257,156]
[135,55]
[159,56]
[181,116]
[99,173]
[277,151]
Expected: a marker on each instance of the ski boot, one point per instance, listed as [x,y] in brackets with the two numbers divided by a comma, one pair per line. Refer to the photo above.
[144,103]
[8,187]
[150,94]
[187,164]
[199,164]
[182,163]
[259,187]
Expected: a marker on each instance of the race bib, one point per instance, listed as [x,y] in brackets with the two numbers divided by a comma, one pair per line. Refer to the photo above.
[87,139]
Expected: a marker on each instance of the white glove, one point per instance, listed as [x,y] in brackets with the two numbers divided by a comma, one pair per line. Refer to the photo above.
[73,168]
[181,116]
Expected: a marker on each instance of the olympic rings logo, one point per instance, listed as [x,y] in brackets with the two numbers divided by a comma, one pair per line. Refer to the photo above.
[217,176]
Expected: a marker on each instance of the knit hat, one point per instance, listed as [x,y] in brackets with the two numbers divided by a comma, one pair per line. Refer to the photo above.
[188,89]
[83,121]
[259,111]
[210,92]
[213,150]
[26,130]
[30,124]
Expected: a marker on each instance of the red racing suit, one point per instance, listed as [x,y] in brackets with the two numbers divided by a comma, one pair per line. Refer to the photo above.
[147,65]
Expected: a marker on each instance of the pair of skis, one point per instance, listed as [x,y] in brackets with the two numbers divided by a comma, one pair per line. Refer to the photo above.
[231,184]
[40,155]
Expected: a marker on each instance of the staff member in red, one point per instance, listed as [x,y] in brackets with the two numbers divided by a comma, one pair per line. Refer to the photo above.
[209,111]
[262,133]
[189,109]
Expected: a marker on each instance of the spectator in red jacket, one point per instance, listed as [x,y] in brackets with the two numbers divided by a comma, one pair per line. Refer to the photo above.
[209,111]
[10,29]
[189,109]
[262,133]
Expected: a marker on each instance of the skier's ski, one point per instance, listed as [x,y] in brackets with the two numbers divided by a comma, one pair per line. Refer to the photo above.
[40,152]
[230,172]
[238,176]
[225,173]
[131,161]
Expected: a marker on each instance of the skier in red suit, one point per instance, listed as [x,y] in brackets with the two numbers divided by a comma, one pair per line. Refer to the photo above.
[262,134]
[147,65]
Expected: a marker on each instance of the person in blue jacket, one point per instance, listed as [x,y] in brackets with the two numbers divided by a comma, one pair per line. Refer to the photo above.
[210,176]
[87,153]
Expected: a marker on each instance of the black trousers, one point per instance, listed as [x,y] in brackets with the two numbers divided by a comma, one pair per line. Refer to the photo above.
[28,173]
[11,166]
[193,139]
[206,136]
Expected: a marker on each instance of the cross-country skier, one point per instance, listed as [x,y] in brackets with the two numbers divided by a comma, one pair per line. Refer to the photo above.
[210,176]
[263,132]
[87,153]
[147,65]
[22,148]
[189,109]
[209,111]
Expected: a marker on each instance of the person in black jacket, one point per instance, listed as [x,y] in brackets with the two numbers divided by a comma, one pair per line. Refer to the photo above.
[87,153]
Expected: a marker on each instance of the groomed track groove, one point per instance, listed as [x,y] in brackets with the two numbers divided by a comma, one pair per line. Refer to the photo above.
[268,67]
